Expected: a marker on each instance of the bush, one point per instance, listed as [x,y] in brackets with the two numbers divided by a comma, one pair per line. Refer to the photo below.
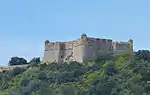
[143,55]
[35,61]
[16,71]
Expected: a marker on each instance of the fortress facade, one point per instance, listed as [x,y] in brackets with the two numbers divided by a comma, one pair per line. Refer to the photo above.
[84,48]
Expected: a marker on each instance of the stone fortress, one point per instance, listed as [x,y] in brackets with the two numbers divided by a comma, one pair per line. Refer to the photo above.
[82,49]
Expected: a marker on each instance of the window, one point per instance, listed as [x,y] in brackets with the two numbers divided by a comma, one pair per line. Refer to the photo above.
[66,59]
[61,57]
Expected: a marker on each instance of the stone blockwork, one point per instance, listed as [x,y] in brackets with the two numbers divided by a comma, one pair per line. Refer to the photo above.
[82,49]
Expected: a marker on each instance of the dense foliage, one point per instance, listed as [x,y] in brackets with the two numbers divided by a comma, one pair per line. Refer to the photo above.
[22,61]
[123,74]
[17,61]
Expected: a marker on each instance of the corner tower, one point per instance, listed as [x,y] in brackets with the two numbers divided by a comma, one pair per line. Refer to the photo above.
[130,41]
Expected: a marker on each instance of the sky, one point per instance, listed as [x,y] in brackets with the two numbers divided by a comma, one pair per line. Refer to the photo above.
[26,24]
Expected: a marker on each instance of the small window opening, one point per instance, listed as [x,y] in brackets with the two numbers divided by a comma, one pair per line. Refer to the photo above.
[66,59]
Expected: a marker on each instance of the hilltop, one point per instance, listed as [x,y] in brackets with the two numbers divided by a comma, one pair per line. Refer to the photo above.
[122,74]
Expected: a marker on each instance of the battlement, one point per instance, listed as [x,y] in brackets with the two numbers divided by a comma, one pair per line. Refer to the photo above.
[83,48]
[78,42]
[123,46]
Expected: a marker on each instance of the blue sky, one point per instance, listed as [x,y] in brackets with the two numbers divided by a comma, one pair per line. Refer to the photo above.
[25,24]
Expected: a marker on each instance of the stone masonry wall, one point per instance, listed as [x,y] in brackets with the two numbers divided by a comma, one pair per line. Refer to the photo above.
[96,47]
[122,47]
[84,48]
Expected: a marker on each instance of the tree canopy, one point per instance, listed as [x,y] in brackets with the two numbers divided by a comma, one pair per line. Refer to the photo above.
[17,61]
[23,61]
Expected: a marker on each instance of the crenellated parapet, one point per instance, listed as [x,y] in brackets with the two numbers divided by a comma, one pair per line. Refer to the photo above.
[53,45]
[123,46]
[98,41]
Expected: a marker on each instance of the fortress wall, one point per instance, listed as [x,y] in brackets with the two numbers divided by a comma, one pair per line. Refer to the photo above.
[49,46]
[60,51]
[97,47]
[105,46]
[90,50]
[66,50]
[51,56]
[67,55]
[121,47]
[78,50]
[69,45]
[78,42]
[78,53]
[52,46]
[52,51]
[84,48]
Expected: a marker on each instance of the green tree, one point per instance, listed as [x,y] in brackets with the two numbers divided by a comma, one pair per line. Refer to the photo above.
[143,55]
[17,61]
[35,60]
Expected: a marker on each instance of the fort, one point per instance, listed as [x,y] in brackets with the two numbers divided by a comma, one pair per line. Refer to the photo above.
[82,49]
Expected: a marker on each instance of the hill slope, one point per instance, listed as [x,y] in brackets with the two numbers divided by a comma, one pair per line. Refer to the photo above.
[124,74]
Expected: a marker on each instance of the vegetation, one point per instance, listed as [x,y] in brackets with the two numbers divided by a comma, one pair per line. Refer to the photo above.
[22,61]
[17,61]
[123,74]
